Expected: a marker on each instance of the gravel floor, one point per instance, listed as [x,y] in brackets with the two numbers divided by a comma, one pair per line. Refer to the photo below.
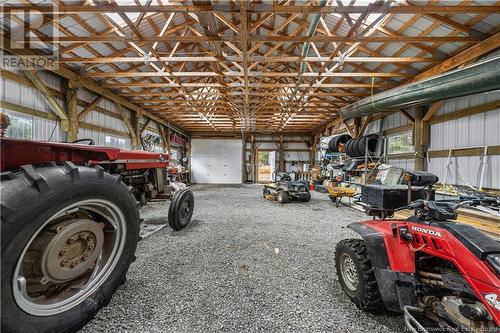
[243,264]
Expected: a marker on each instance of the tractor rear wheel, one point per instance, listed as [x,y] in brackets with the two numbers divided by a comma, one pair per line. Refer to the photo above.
[356,275]
[181,209]
[69,235]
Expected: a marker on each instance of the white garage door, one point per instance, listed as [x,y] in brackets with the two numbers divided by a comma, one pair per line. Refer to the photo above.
[216,161]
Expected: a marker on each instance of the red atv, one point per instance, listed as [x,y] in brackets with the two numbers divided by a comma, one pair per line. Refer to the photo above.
[70,227]
[425,266]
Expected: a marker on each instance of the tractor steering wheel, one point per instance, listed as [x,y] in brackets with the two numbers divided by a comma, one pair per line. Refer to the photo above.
[282,176]
[91,142]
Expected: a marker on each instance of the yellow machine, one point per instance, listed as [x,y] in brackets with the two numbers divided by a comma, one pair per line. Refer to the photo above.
[336,193]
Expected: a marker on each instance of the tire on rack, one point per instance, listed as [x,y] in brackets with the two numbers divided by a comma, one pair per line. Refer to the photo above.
[368,141]
[350,148]
[282,197]
[82,226]
[181,209]
[356,275]
[336,141]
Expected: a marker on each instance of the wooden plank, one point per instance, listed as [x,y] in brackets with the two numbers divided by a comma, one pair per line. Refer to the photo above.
[466,112]
[89,107]
[473,52]
[432,110]
[54,105]
[256,8]
[399,129]
[128,124]
[27,110]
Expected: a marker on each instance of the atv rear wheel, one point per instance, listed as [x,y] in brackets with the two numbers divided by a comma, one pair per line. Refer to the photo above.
[356,275]
[282,197]
[69,235]
[181,209]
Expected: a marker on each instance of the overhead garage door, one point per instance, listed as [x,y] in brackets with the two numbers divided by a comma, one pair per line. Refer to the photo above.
[216,161]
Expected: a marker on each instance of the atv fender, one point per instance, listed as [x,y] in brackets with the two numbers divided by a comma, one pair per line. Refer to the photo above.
[397,289]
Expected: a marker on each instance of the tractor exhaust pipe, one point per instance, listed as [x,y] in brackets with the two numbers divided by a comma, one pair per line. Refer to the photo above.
[474,79]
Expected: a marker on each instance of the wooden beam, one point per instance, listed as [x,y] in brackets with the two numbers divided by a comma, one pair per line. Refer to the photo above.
[51,101]
[366,122]
[466,112]
[408,115]
[134,74]
[432,110]
[71,98]
[349,128]
[89,107]
[256,8]
[260,59]
[130,127]
[473,52]
[93,86]
[145,125]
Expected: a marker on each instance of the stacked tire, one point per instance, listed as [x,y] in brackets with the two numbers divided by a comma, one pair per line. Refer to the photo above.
[358,146]
[335,143]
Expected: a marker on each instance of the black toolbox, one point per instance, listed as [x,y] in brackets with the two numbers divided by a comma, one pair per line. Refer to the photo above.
[391,196]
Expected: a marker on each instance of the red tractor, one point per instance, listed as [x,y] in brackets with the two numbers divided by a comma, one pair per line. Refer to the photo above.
[70,227]
[426,267]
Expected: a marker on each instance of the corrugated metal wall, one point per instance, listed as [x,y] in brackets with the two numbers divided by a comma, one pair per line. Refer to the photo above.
[472,131]
[45,129]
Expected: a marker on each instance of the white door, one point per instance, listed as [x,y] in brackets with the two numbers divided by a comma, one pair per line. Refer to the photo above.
[216,161]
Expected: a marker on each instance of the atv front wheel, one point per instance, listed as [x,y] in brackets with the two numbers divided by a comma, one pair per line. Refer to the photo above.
[69,235]
[282,197]
[265,192]
[181,209]
[356,275]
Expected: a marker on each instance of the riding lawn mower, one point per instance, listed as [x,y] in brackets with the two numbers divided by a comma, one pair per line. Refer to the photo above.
[426,266]
[284,189]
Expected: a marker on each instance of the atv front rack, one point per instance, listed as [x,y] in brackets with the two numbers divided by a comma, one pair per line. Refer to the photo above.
[411,322]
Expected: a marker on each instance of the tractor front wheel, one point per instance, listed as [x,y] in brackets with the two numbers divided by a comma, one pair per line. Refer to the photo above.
[181,209]
[69,235]
[356,275]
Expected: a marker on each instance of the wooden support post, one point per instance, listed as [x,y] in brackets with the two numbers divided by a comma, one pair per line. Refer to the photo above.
[244,159]
[253,158]
[419,162]
[71,98]
[136,125]
[312,151]
[357,127]
[165,137]
[133,133]
[281,153]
